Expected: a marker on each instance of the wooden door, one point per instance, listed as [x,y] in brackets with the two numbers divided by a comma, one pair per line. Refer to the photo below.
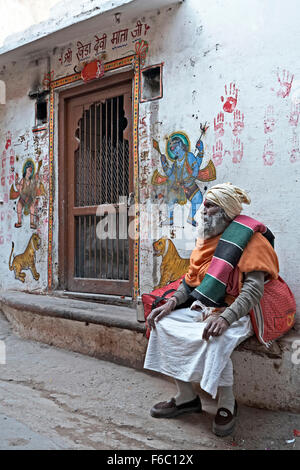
[99,191]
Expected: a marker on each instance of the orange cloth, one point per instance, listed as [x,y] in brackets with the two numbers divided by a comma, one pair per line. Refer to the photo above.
[258,255]
[200,260]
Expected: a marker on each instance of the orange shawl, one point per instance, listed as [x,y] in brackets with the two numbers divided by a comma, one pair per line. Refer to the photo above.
[258,255]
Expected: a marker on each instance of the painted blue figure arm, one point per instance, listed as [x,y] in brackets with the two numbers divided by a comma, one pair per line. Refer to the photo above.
[194,164]
[200,148]
[167,169]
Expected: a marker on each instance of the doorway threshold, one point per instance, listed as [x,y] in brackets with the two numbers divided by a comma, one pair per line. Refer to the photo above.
[101,298]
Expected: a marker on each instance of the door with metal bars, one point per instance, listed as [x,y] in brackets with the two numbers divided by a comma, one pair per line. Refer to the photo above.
[100,191]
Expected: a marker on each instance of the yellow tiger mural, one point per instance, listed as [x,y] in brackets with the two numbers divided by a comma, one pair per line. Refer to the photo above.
[25,260]
[172,266]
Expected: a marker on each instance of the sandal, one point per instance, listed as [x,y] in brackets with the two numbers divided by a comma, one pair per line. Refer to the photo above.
[169,409]
[224,422]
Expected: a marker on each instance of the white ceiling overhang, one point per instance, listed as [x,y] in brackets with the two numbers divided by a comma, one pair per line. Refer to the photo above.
[42,37]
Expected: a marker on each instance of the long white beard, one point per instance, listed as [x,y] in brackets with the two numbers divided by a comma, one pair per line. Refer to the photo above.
[212,225]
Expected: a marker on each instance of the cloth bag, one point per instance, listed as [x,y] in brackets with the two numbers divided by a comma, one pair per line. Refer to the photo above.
[274,315]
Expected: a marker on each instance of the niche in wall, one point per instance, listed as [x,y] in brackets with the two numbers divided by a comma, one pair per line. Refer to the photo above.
[41,112]
[41,108]
[151,83]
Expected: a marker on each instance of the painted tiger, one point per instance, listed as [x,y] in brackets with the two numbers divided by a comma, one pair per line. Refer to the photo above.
[25,260]
[172,266]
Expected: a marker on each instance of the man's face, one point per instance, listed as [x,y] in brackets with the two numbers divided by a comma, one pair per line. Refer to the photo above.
[209,208]
[214,220]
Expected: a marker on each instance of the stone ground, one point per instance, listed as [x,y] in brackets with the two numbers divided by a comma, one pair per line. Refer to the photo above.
[56,399]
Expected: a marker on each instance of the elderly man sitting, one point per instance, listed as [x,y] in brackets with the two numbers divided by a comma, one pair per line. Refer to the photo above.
[228,267]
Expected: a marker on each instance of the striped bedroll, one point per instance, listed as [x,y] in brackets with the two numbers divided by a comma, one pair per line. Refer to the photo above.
[212,289]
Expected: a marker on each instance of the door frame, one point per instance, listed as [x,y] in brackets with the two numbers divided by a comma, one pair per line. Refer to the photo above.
[75,92]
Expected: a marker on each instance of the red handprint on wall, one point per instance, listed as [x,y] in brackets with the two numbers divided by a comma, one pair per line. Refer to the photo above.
[238,122]
[10,178]
[238,150]
[3,159]
[219,125]
[285,81]
[269,120]
[8,140]
[295,113]
[218,153]
[12,157]
[230,98]
[269,155]
[295,152]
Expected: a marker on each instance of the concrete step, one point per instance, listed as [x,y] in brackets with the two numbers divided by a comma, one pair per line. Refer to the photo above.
[108,332]
[266,378]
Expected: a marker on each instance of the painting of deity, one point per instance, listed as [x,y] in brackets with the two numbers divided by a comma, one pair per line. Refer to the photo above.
[183,173]
[27,190]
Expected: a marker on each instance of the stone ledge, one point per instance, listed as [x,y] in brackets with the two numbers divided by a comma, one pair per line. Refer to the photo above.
[276,348]
[116,316]
[70,309]
[266,378]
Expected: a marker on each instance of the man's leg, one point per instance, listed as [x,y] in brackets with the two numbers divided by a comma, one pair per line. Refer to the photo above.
[185,392]
[186,401]
[225,390]
[225,419]
[226,398]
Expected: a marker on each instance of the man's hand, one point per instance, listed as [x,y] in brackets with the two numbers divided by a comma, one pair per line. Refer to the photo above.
[160,312]
[215,327]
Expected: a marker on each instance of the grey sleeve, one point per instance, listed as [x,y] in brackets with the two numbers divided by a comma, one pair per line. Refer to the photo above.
[181,294]
[251,293]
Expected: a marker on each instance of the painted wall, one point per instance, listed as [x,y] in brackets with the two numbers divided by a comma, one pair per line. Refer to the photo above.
[231,66]
[22,148]
[235,67]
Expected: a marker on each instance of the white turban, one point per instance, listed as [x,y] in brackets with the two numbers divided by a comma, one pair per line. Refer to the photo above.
[229,197]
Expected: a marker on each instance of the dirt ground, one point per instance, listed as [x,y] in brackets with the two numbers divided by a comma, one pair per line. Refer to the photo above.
[56,399]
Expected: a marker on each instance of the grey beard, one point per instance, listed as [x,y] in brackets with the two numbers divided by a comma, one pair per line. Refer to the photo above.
[213,225]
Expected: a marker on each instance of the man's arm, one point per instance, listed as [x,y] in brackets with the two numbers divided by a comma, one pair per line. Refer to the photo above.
[182,293]
[250,295]
[179,297]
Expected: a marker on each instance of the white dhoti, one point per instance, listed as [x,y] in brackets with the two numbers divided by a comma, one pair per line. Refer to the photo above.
[176,349]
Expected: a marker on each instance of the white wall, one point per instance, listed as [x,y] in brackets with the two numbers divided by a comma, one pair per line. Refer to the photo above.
[26,20]
[205,46]
[18,15]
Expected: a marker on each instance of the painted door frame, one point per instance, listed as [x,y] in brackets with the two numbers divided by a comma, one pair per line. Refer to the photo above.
[76,92]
